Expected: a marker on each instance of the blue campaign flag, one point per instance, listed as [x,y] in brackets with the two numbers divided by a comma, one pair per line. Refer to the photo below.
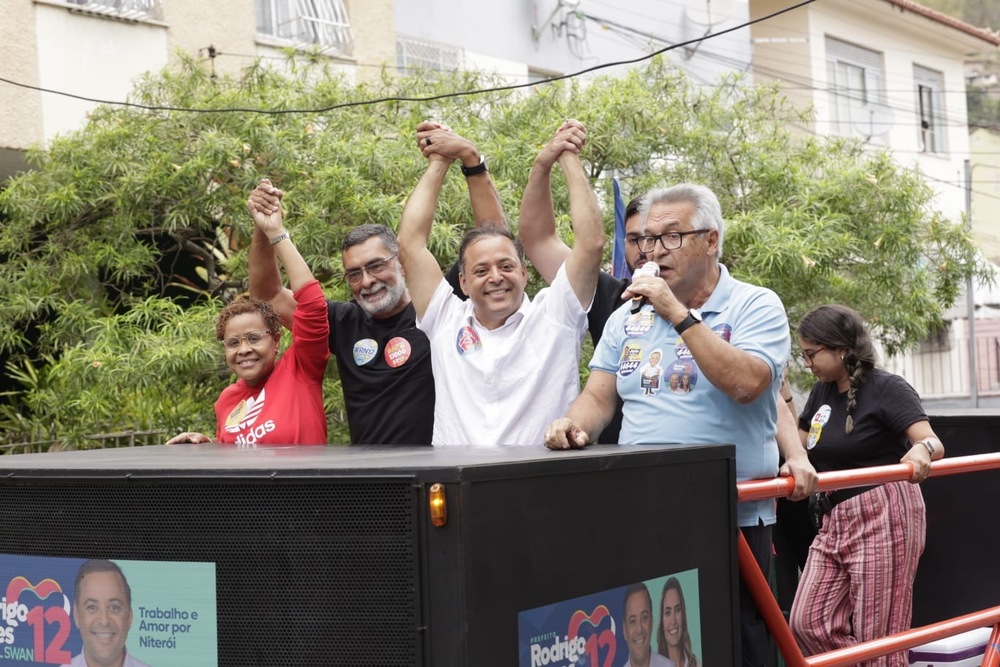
[619,268]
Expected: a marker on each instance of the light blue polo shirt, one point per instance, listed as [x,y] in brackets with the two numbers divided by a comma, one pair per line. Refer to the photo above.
[668,401]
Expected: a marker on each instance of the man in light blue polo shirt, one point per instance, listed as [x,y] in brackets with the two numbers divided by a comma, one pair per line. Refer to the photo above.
[725,341]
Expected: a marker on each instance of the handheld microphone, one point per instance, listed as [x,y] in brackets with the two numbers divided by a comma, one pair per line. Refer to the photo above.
[651,269]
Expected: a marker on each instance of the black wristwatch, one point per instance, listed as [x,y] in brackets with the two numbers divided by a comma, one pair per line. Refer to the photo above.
[693,318]
[475,169]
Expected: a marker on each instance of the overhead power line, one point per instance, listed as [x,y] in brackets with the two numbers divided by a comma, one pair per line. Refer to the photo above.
[429,98]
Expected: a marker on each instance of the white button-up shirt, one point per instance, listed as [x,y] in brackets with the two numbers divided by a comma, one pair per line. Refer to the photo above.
[504,386]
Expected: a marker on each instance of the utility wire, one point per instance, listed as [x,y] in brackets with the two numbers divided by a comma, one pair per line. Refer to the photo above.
[429,98]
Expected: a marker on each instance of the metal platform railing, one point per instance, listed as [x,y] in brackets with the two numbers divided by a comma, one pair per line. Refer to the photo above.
[761,592]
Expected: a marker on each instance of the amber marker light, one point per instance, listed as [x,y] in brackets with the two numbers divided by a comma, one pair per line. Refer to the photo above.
[438,506]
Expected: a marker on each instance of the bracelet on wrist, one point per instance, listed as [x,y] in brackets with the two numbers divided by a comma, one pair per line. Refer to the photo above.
[475,169]
[275,240]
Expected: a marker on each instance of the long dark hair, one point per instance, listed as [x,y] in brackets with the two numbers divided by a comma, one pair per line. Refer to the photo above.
[837,327]
[661,634]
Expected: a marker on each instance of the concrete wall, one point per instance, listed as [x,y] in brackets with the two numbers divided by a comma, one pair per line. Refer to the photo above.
[228,25]
[47,44]
[985,160]
[546,36]
[20,108]
[373,27]
[792,48]
[90,56]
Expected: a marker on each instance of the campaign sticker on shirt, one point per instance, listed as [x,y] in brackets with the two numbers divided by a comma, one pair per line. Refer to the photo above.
[639,324]
[822,415]
[397,352]
[683,377]
[819,420]
[723,331]
[630,359]
[651,374]
[468,341]
[364,351]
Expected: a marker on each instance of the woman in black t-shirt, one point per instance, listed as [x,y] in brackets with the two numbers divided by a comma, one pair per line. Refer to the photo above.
[857,584]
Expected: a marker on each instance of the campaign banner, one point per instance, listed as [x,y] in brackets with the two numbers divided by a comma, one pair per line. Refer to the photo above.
[56,611]
[657,618]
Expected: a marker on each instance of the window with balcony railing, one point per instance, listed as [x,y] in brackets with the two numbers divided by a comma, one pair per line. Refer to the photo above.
[133,10]
[304,23]
[413,53]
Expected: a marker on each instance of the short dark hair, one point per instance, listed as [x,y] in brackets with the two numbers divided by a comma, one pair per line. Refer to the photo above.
[635,589]
[632,207]
[95,565]
[481,232]
[248,304]
[362,233]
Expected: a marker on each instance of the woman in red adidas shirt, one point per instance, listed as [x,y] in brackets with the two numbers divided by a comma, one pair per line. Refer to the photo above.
[275,400]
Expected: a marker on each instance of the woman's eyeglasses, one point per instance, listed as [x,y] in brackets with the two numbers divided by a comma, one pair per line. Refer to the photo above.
[253,338]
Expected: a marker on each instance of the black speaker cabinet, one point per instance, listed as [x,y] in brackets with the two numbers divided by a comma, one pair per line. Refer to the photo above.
[328,555]
[957,572]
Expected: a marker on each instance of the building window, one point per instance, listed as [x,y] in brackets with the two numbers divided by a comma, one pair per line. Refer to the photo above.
[930,109]
[854,82]
[133,10]
[413,53]
[322,23]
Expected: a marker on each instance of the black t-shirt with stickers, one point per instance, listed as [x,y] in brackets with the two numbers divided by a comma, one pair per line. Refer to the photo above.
[607,299]
[886,406]
[385,373]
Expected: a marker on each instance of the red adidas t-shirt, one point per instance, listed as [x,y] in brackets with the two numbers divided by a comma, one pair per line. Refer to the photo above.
[288,408]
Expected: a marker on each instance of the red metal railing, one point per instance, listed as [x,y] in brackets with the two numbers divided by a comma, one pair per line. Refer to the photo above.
[760,590]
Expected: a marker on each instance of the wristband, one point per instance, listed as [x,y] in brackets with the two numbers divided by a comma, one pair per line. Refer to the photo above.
[693,318]
[275,240]
[476,169]
[926,442]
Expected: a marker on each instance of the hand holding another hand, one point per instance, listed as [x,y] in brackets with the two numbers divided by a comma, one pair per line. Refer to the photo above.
[264,206]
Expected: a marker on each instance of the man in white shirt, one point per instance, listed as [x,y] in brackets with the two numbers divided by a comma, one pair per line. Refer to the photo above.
[504,365]
[637,628]
[102,611]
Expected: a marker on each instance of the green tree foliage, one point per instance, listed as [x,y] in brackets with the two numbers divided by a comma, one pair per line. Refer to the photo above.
[123,242]
[984,110]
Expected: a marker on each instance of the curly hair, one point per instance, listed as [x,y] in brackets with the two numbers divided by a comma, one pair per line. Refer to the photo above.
[837,327]
[248,304]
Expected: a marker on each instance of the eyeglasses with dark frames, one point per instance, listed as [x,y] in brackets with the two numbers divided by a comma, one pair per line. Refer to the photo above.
[669,240]
[807,355]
